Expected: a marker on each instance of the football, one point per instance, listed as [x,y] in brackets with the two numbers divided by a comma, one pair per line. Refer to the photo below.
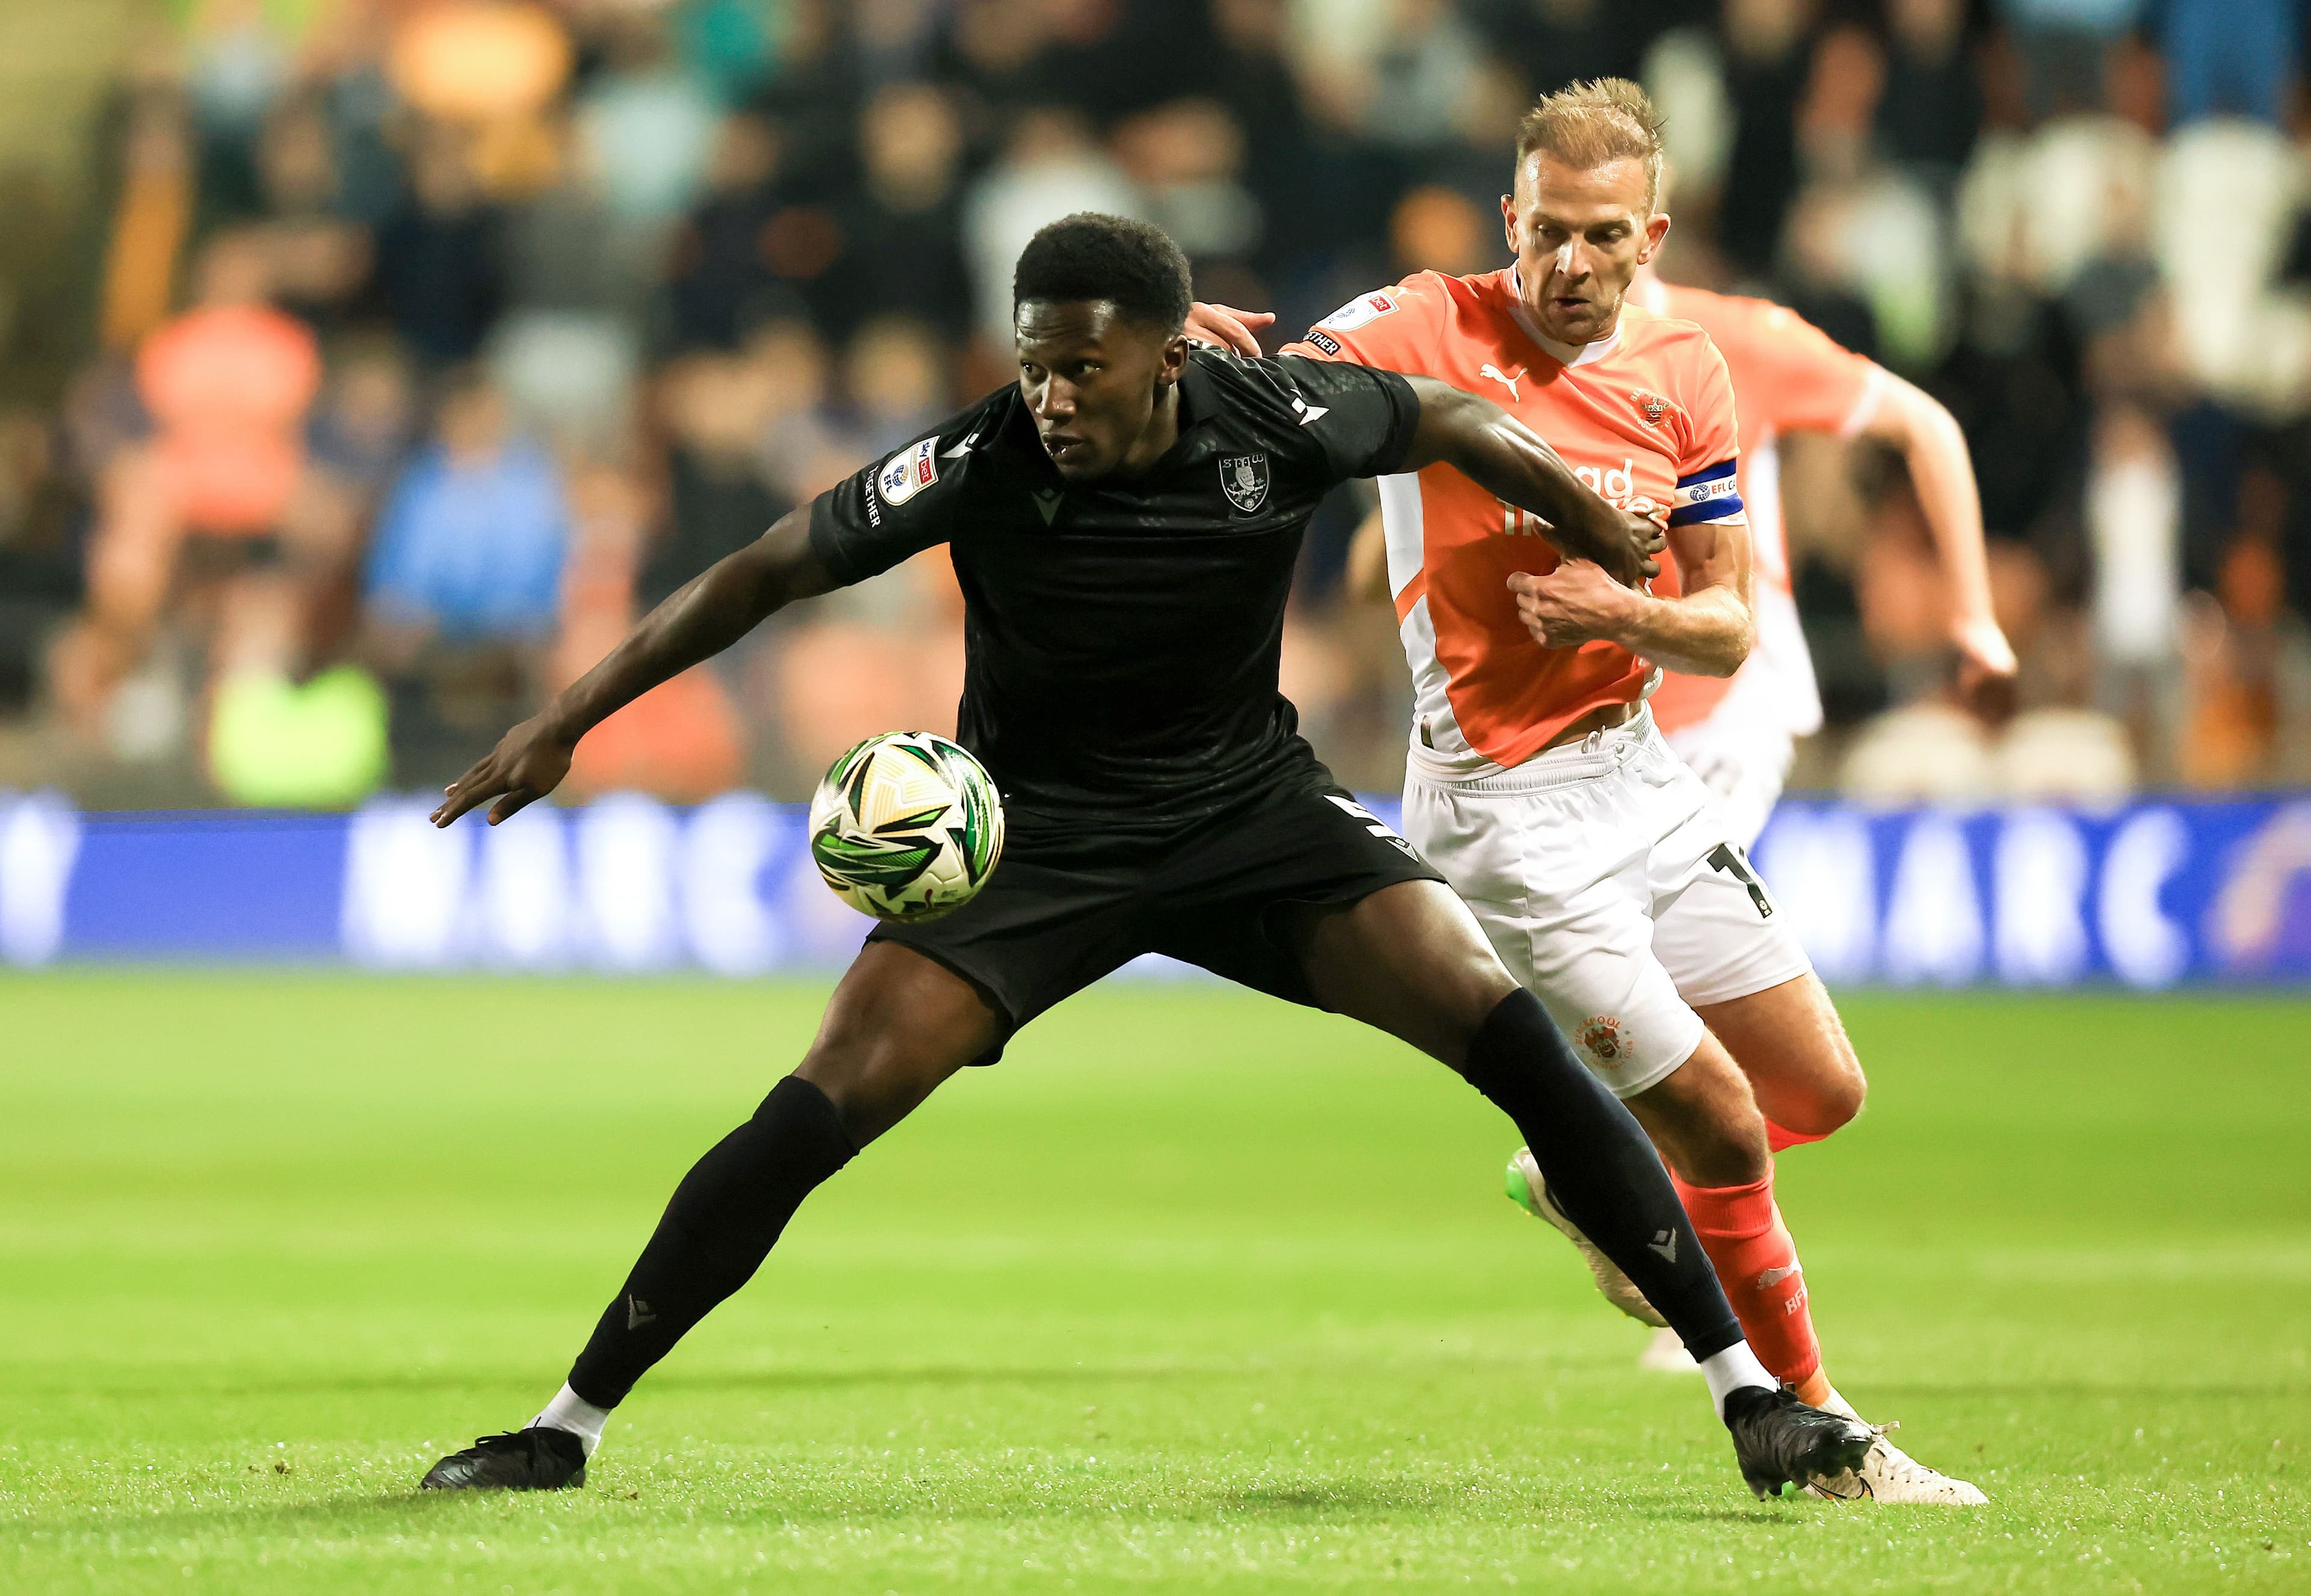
[906,827]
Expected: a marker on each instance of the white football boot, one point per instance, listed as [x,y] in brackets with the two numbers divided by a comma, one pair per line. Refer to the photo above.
[1530,1193]
[1892,1476]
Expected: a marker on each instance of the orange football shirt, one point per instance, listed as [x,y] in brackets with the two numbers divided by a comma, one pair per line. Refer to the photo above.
[1789,376]
[1645,417]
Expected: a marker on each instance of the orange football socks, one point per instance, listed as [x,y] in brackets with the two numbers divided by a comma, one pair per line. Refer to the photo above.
[1741,1230]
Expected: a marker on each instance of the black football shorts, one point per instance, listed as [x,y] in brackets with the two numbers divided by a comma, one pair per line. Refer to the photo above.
[1062,909]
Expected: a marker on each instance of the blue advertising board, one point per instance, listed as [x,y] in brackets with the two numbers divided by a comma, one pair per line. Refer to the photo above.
[2149,895]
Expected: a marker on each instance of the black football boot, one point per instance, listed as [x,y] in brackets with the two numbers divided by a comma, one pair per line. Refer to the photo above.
[534,1460]
[1781,1442]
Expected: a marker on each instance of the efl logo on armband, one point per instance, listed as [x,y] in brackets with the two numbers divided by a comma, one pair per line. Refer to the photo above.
[908,473]
[1710,495]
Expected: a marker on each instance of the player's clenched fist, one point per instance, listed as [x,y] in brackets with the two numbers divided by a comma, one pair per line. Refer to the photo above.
[1574,603]
[1646,540]
[1986,668]
[528,763]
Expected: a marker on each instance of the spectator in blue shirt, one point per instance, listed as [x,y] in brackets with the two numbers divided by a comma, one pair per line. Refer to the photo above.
[471,542]
[2231,57]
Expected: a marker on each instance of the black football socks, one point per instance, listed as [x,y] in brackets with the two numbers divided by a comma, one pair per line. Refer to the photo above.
[1601,1169]
[726,1215]
[730,1208]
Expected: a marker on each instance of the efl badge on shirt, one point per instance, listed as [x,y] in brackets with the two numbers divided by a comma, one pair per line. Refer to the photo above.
[908,473]
[1243,478]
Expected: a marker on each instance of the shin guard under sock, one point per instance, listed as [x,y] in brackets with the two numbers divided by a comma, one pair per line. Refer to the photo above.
[1600,1168]
[721,1224]
[1758,1263]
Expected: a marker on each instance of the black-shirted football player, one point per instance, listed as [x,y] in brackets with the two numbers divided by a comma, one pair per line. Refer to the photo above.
[1124,521]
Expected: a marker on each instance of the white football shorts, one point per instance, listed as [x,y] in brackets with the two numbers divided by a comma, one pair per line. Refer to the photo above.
[1609,884]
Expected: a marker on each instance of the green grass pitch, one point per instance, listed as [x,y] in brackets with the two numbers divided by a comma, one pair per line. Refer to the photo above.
[1196,1292]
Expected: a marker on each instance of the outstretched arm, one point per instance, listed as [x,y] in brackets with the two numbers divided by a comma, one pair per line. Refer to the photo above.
[705,616]
[1706,631]
[1491,447]
[1934,448]
[1508,460]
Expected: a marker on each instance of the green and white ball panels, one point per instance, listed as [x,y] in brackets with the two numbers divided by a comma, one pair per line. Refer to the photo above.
[906,827]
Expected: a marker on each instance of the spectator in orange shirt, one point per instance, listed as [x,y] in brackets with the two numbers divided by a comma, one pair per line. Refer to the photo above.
[215,488]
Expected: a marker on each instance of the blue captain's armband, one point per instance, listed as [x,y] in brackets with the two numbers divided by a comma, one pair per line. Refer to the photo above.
[1709,494]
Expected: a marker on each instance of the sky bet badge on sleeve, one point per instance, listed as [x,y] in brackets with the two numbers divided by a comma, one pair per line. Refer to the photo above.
[1357,312]
[908,473]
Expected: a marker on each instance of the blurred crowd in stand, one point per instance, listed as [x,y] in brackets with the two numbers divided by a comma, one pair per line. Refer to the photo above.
[386,358]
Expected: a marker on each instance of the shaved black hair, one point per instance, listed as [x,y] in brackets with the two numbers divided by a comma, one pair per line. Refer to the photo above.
[1133,265]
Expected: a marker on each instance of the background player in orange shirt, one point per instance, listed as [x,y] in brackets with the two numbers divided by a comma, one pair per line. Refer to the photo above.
[1537,784]
[1740,733]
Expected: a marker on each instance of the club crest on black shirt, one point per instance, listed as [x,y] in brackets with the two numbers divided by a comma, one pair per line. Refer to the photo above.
[1243,478]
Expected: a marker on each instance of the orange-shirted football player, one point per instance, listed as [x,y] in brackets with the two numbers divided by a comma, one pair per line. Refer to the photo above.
[1602,868]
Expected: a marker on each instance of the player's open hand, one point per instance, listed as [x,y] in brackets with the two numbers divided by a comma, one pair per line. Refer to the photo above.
[1227,328]
[528,763]
[1986,669]
[1574,603]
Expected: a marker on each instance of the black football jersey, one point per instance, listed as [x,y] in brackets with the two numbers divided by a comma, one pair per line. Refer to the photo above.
[1122,636]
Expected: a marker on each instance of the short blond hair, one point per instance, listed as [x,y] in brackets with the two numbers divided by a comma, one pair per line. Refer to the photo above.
[1592,124]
